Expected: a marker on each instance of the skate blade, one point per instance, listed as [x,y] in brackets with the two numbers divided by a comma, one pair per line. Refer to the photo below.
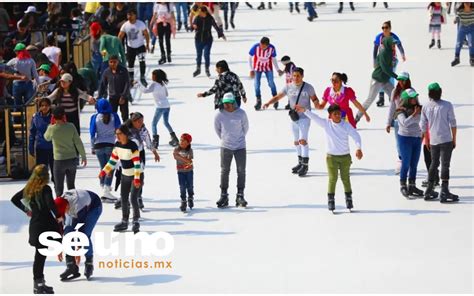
[71,277]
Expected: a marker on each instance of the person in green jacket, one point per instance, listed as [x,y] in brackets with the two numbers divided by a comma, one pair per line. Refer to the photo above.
[66,144]
[108,46]
[381,74]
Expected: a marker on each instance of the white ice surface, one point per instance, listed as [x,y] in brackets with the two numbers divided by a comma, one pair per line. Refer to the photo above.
[286,240]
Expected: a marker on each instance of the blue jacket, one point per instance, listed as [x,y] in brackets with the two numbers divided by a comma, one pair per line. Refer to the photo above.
[39,124]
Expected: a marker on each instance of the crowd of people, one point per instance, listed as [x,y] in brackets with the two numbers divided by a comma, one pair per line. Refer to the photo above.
[124,32]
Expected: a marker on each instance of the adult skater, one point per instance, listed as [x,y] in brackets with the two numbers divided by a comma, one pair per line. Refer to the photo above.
[381,75]
[66,145]
[232,6]
[36,201]
[338,157]
[341,6]
[386,32]
[438,115]
[164,25]
[231,125]
[138,43]
[288,69]
[409,139]
[262,59]
[298,93]
[227,81]
[79,206]
[126,151]
[465,17]
[116,83]
[102,131]
[182,9]
[203,24]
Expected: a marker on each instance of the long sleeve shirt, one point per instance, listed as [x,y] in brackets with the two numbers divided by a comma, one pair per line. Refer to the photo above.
[66,141]
[409,126]
[226,82]
[25,67]
[115,84]
[129,157]
[231,128]
[439,117]
[394,104]
[337,134]
[160,94]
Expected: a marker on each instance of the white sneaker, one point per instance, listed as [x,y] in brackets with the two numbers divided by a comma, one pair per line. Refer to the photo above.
[107,194]
[398,167]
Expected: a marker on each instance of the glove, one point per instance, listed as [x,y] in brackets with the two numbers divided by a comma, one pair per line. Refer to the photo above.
[136,182]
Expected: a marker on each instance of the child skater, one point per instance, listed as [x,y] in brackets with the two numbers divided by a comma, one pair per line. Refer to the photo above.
[338,157]
[184,164]
[437,18]
[289,68]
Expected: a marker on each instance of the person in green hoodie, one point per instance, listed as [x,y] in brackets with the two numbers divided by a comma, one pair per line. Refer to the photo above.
[381,74]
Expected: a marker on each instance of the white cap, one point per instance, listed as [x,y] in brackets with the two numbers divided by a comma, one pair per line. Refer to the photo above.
[30,9]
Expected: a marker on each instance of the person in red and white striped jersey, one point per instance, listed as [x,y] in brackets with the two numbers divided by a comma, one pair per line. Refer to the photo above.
[262,60]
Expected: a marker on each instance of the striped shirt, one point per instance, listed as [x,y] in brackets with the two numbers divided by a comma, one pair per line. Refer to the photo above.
[262,58]
[129,157]
[67,101]
[466,18]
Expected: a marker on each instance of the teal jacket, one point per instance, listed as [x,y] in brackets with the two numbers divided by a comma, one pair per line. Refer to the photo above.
[384,63]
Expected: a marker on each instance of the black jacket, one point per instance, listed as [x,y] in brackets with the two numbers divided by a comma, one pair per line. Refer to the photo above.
[42,215]
[204,27]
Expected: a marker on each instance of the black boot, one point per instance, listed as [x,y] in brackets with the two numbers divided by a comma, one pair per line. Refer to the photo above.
[162,60]
[381,100]
[183,205]
[404,189]
[152,50]
[141,206]
[445,195]
[89,267]
[226,26]
[287,107]
[352,6]
[240,200]
[135,227]
[118,204]
[297,8]
[471,61]
[39,287]
[197,72]
[191,202]
[156,141]
[208,72]
[232,23]
[412,190]
[349,203]
[275,105]
[169,57]
[432,43]
[258,105]
[122,226]
[430,194]
[304,167]
[385,4]
[179,26]
[455,62]
[331,202]
[72,270]
[261,6]
[143,81]
[223,201]
[174,140]
[296,168]
[439,44]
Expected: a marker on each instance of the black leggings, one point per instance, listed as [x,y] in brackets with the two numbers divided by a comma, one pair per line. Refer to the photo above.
[164,32]
[38,265]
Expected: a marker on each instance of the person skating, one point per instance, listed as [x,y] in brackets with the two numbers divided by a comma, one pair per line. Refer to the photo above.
[138,43]
[102,131]
[66,145]
[387,31]
[465,18]
[312,14]
[126,151]
[227,81]
[338,156]
[288,69]
[437,18]
[381,74]
[203,24]
[262,59]
[341,6]
[231,125]
[438,116]
[162,106]
[184,164]
[295,6]
[409,139]
[164,25]
[79,206]
[341,94]
[36,201]
[233,7]
[299,93]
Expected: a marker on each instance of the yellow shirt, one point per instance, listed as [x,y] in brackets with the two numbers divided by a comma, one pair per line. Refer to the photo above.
[91,7]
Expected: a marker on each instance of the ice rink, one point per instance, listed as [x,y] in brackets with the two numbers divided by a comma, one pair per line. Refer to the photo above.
[287,240]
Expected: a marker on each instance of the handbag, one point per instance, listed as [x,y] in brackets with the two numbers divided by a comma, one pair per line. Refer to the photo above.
[292,113]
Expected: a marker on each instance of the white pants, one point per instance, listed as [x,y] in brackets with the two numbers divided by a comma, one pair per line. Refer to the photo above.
[300,130]
[375,86]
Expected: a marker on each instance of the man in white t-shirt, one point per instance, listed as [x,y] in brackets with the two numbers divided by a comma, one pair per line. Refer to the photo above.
[52,52]
[137,33]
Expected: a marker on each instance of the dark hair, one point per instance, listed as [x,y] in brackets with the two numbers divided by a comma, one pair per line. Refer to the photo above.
[461,7]
[333,108]
[299,70]
[50,39]
[285,59]
[399,89]
[341,76]
[159,76]
[124,129]
[75,12]
[435,94]
[113,57]
[44,100]
[106,118]
[104,14]
[58,113]
[132,11]
[223,65]
[265,40]
[204,9]
[23,23]
[388,23]
[185,149]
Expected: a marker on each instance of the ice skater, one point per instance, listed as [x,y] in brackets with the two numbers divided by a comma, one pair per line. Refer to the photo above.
[288,69]
[437,18]
[465,19]
[184,164]
[338,158]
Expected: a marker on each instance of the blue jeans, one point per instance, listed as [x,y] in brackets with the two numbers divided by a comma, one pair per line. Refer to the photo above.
[182,7]
[410,148]
[22,91]
[186,183]
[103,155]
[96,62]
[206,48]
[156,118]
[271,83]
[310,8]
[144,11]
[463,32]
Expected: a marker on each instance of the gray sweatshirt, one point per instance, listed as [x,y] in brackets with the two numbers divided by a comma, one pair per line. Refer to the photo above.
[409,126]
[25,67]
[439,117]
[231,128]
[394,104]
